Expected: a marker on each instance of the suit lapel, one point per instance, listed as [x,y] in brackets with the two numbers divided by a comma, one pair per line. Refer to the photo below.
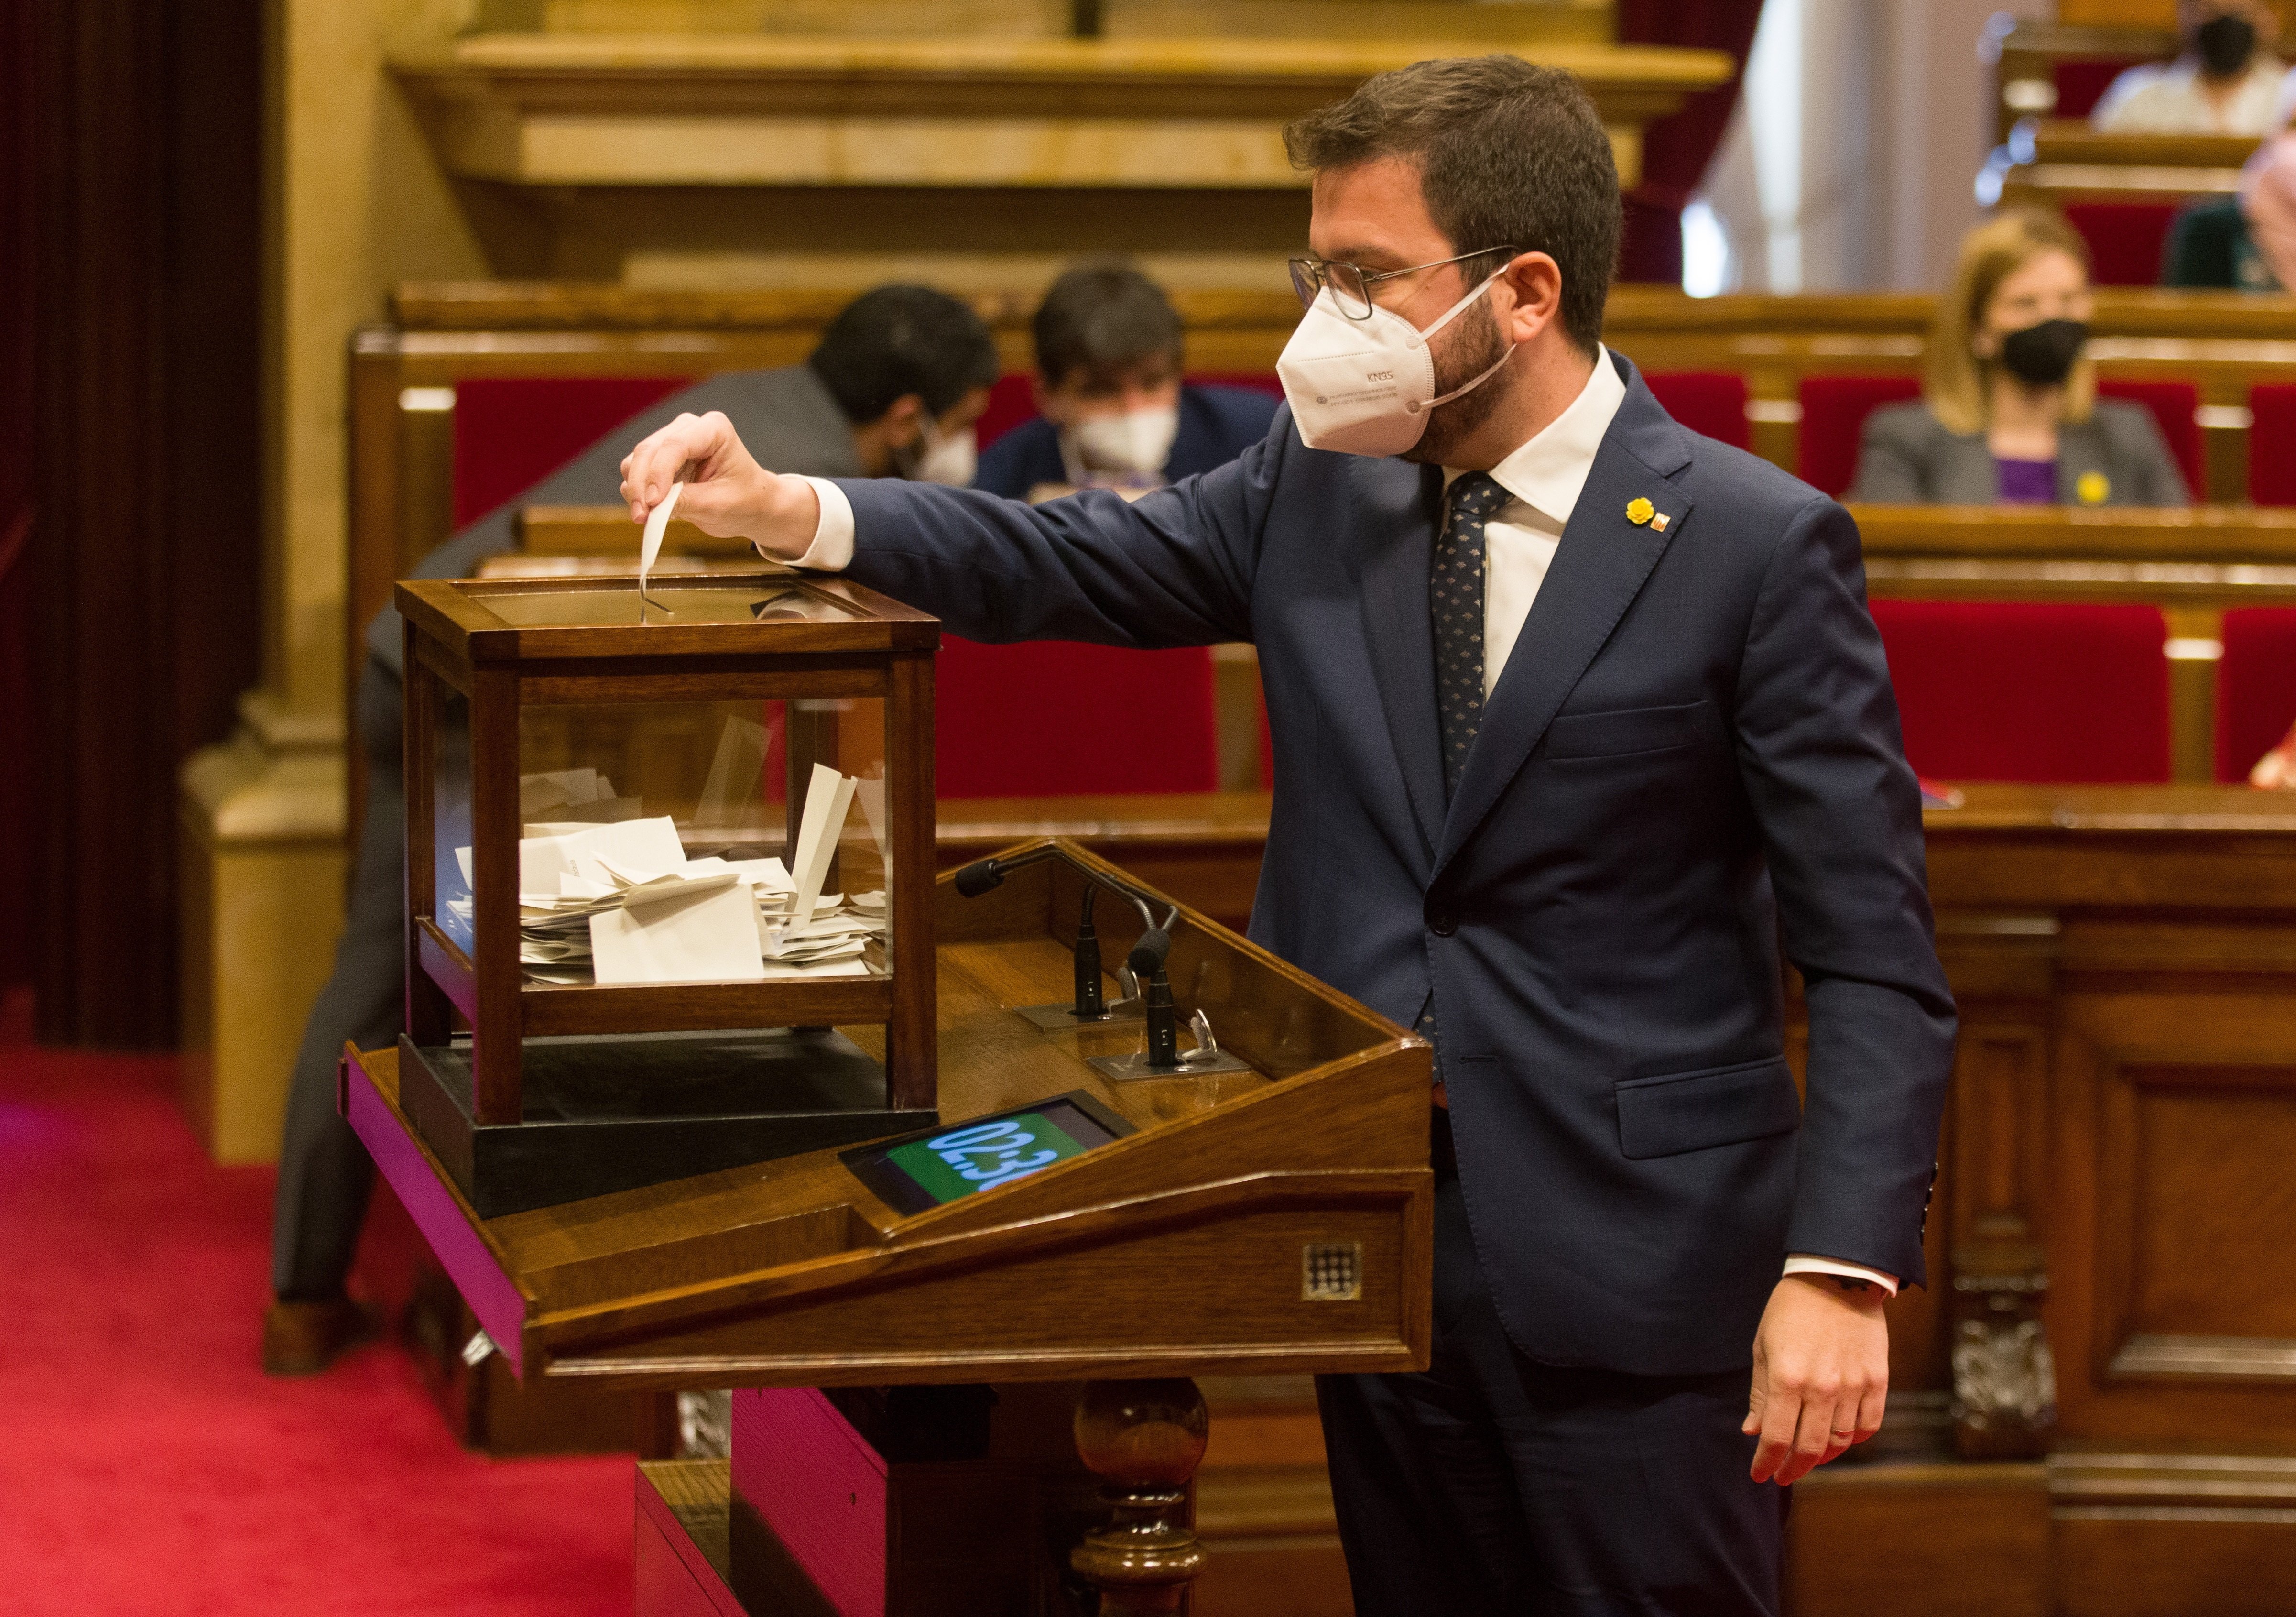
[1395,511]
[1599,566]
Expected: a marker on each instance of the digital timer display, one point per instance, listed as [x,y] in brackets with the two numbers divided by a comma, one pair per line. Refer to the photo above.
[927,1170]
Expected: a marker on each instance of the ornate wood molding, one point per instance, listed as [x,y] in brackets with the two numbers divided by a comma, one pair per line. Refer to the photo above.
[765,110]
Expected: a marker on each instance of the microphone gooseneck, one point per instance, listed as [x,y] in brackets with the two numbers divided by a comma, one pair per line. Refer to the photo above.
[1091,1005]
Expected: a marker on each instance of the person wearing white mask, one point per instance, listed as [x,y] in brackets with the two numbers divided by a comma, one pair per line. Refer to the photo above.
[1582,730]
[892,389]
[1113,411]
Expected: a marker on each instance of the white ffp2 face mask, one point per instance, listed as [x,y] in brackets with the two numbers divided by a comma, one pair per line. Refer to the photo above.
[1136,441]
[951,457]
[1364,387]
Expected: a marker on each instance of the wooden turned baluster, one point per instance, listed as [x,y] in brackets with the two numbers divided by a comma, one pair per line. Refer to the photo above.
[1144,1439]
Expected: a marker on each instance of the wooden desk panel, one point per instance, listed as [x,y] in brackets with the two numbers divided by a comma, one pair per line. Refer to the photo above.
[2125,1097]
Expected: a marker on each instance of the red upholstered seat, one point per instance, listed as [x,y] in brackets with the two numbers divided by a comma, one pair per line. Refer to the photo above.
[2256,686]
[2173,405]
[2082,81]
[1012,400]
[1053,718]
[2125,239]
[1711,402]
[2272,445]
[512,431]
[1833,412]
[2019,691]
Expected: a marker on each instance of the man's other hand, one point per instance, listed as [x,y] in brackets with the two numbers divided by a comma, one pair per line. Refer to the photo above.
[726,492]
[1821,1375]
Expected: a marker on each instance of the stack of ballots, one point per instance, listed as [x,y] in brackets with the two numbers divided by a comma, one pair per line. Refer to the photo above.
[619,903]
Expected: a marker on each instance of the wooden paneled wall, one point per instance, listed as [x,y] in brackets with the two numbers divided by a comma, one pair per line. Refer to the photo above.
[2114,1200]
[146,550]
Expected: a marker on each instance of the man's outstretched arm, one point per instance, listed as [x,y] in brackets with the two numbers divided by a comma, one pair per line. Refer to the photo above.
[1173,569]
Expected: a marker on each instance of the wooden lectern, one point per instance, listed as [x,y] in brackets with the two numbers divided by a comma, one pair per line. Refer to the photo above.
[891,1313]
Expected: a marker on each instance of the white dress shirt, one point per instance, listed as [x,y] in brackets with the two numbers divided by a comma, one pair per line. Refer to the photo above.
[2167,98]
[1546,476]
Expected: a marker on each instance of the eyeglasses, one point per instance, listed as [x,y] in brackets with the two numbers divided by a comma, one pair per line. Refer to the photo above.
[1350,284]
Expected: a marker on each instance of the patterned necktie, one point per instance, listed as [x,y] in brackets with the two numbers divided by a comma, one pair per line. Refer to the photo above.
[1454,596]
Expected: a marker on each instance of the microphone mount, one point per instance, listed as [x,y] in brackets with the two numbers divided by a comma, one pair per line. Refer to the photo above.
[1145,962]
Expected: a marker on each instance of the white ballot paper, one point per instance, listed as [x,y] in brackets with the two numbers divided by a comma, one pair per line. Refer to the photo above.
[650,845]
[700,936]
[657,524]
[828,797]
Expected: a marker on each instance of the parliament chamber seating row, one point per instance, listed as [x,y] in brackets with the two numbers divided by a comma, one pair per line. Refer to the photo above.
[477,391]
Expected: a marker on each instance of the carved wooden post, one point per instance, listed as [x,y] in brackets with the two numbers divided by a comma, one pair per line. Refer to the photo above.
[1144,1439]
[2004,1380]
[2004,1387]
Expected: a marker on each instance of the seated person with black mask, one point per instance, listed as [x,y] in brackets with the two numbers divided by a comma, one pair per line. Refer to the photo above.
[1113,410]
[2009,413]
[892,389]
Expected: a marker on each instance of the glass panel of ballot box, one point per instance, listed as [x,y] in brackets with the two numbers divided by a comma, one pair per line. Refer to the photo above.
[671,865]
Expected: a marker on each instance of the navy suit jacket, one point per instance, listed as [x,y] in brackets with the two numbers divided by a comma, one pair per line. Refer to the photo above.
[1690,759]
[1217,425]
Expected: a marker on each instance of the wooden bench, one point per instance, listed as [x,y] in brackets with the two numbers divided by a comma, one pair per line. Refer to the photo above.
[2193,565]
[403,373]
[2223,343]
[2053,70]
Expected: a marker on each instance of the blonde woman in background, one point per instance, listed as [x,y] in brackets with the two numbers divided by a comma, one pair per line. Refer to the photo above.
[2009,413]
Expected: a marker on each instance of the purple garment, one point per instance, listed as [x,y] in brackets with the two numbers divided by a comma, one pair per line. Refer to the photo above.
[2028,483]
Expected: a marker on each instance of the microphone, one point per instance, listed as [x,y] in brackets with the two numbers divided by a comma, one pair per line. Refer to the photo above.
[980,877]
[1148,956]
[1146,959]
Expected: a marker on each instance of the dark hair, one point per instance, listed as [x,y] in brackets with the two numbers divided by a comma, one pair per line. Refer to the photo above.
[895,340]
[1103,319]
[1509,154]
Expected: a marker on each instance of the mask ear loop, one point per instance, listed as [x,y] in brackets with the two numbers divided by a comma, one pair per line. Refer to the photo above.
[1449,316]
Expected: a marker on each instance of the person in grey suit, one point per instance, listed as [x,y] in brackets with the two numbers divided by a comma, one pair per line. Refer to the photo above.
[2009,413]
[1580,724]
[893,389]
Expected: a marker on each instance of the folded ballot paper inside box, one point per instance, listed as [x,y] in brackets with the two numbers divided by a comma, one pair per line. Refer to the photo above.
[619,903]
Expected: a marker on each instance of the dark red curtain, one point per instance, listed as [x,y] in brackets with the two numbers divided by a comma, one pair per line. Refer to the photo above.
[144,561]
[17,326]
[1677,149]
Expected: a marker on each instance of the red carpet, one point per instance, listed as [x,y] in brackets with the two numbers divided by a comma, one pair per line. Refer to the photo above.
[148,1466]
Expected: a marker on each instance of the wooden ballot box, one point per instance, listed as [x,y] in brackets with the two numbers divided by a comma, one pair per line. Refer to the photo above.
[1060,1224]
[658,844]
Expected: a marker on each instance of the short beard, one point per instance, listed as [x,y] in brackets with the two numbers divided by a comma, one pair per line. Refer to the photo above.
[1475,348]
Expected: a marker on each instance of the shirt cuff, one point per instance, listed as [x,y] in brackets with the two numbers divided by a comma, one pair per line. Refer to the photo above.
[1803,1263]
[831,550]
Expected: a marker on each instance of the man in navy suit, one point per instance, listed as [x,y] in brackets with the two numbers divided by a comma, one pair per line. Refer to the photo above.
[1580,721]
[1112,411]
